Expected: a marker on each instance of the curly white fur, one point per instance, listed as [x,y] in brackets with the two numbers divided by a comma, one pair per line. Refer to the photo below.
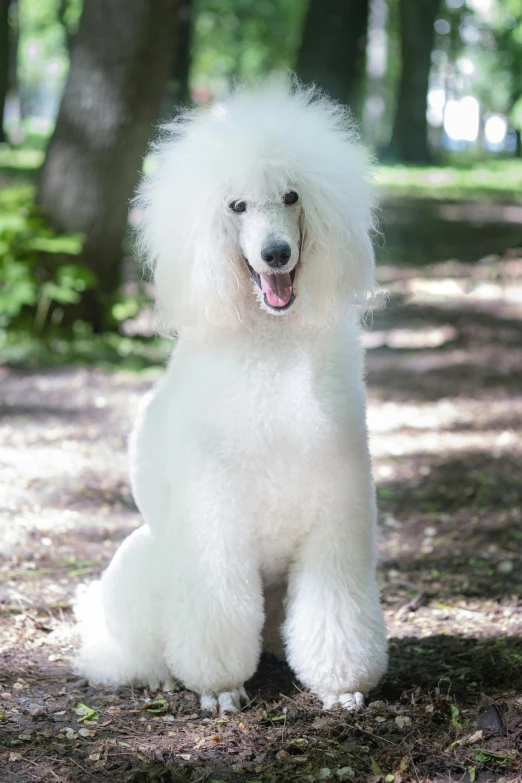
[250,461]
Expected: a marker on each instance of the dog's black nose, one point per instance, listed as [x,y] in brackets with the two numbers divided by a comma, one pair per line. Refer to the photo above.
[276,254]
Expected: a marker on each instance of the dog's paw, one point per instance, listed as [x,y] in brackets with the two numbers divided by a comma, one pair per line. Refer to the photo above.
[346,701]
[224,701]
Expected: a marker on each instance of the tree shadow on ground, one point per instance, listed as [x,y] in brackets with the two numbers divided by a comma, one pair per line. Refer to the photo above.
[469,668]
[39,412]
[418,231]
[284,735]
[472,323]
[472,480]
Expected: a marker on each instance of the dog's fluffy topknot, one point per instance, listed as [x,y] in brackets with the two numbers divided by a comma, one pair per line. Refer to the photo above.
[256,144]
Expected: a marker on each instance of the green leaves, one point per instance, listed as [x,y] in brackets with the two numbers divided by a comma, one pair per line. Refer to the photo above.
[375,767]
[85,712]
[456,719]
[157,707]
[501,757]
[33,275]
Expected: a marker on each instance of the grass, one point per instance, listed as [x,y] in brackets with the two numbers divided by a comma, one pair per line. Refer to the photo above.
[494,179]
[108,351]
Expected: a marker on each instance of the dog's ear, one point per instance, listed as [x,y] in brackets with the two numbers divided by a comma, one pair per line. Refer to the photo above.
[184,238]
[338,268]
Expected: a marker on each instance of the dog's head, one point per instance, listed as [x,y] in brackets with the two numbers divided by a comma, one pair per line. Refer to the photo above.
[261,204]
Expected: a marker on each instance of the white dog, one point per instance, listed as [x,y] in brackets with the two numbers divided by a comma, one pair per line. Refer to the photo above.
[250,459]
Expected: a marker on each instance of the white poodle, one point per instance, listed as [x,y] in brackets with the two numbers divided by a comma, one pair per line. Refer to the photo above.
[250,459]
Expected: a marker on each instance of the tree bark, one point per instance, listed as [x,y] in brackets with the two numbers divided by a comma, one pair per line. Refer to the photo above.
[119,66]
[178,88]
[333,48]
[409,142]
[4,61]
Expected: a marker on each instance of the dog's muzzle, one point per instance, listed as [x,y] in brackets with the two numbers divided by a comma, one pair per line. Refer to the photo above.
[277,288]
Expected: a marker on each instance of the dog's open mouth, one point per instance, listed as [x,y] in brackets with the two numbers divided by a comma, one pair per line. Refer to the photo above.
[278,289]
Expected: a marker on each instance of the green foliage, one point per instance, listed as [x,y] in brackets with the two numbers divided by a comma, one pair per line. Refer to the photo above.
[21,159]
[45,26]
[109,350]
[38,271]
[239,38]
[497,55]
[42,284]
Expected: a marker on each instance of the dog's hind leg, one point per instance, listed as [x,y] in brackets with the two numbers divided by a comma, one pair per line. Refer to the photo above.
[118,620]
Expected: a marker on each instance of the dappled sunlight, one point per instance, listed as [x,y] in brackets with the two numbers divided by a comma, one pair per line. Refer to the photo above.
[435,89]
[445,415]
[427,337]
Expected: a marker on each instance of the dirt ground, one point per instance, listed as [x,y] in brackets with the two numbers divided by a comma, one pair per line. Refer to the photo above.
[445,392]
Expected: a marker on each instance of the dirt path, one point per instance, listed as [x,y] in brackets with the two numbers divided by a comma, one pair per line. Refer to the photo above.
[445,385]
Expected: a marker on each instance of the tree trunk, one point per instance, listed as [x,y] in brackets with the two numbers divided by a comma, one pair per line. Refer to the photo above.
[119,66]
[333,48]
[4,61]
[409,142]
[178,89]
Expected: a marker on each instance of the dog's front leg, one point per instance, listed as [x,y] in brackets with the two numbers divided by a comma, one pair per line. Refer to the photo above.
[334,632]
[214,604]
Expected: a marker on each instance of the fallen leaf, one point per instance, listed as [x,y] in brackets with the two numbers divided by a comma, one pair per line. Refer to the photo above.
[85,712]
[157,707]
[375,767]
[86,732]
[323,774]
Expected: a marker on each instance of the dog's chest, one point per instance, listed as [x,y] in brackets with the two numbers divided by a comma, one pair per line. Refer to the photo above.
[285,442]
[269,423]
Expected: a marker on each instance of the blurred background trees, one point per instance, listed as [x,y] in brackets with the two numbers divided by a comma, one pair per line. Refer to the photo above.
[84,83]
[333,48]
[119,65]
[409,141]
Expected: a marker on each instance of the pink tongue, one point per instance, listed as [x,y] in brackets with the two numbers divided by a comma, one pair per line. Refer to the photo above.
[277,289]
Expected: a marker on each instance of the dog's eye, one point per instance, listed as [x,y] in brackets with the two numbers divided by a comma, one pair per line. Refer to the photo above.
[291,197]
[238,206]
